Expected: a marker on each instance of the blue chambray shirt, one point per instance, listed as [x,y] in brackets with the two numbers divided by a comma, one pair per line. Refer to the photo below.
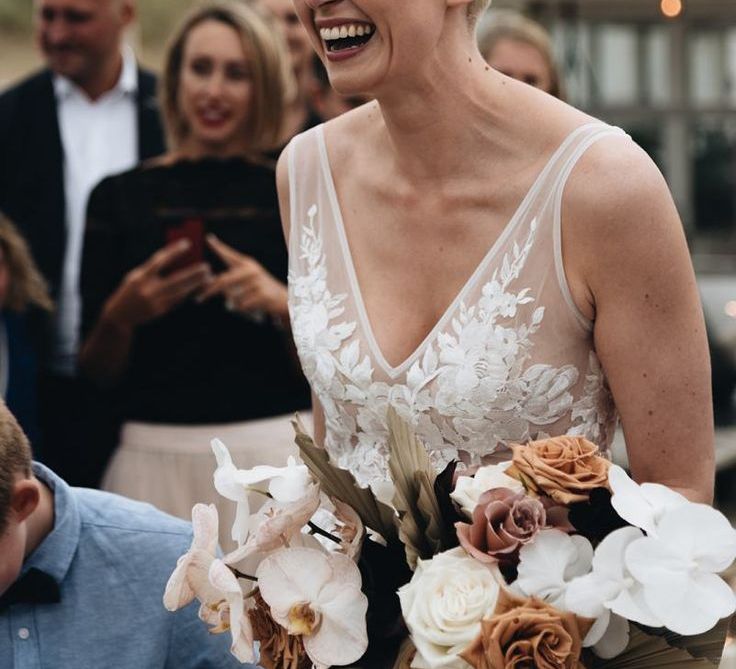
[111,557]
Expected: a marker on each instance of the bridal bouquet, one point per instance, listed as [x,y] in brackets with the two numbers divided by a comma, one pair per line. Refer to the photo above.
[554,560]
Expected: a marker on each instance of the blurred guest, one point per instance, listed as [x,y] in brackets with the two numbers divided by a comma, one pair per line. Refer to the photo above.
[24,301]
[521,49]
[82,574]
[299,114]
[194,332]
[326,101]
[90,113]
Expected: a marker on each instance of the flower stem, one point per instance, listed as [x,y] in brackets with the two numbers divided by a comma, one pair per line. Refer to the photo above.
[251,593]
[240,574]
[324,533]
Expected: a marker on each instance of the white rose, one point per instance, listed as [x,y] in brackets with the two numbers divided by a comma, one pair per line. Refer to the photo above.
[443,606]
[468,489]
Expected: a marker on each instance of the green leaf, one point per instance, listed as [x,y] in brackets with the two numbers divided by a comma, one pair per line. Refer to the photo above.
[421,526]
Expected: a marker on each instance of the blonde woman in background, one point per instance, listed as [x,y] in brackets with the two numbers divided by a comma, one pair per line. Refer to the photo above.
[24,306]
[183,280]
[521,49]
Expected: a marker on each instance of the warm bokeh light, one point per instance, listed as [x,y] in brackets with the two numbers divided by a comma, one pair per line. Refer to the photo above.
[730,309]
[671,8]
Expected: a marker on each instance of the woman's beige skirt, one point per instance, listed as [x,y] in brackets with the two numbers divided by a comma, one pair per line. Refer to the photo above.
[171,466]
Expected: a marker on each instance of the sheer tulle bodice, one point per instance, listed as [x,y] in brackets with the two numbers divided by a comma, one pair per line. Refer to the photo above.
[511,359]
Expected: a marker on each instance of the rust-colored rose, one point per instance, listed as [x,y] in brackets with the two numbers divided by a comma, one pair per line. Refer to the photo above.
[503,521]
[565,468]
[528,633]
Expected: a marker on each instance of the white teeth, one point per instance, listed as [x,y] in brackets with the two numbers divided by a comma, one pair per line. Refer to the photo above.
[344,31]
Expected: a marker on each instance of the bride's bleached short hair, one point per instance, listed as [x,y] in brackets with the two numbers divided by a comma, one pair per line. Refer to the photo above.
[475,9]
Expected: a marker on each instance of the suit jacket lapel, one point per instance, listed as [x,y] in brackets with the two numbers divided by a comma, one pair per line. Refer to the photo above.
[150,133]
[45,140]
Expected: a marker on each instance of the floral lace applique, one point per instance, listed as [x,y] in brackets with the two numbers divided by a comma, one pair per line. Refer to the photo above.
[472,391]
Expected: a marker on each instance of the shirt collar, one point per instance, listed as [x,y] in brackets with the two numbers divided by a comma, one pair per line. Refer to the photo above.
[127,84]
[56,552]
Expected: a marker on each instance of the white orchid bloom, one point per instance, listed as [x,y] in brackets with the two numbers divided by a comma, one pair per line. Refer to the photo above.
[227,486]
[229,612]
[179,589]
[286,484]
[199,574]
[318,596]
[677,568]
[641,505]
[549,563]
[610,595]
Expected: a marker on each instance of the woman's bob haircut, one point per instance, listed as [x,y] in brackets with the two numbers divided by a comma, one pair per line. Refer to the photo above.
[269,64]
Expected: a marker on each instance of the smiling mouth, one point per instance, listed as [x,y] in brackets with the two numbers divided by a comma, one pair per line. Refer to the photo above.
[346,37]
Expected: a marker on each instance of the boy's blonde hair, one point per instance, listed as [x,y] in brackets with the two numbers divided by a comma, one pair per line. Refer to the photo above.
[15,460]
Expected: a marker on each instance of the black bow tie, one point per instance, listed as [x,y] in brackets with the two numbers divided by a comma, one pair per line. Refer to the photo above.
[34,587]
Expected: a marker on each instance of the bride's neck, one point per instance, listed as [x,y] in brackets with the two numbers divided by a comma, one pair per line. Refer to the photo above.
[437,123]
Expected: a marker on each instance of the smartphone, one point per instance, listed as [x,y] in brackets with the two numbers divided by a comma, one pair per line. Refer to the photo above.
[191,229]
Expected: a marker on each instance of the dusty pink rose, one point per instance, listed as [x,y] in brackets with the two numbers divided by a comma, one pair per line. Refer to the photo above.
[503,521]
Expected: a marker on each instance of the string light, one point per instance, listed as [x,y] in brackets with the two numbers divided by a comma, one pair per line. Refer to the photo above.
[671,8]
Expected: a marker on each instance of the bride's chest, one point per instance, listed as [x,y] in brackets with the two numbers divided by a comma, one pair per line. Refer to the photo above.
[412,258]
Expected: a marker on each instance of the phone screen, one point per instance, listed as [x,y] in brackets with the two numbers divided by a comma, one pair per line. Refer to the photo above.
[193,230]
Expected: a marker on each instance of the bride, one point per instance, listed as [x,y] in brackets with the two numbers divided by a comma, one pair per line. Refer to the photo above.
[489,261]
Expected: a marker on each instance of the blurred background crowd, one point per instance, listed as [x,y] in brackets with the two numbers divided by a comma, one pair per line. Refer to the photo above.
[142,264]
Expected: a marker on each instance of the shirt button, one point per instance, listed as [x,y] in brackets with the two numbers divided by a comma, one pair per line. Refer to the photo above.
[23,633]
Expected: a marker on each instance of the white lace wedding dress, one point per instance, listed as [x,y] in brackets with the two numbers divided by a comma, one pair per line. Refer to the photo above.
[511,358]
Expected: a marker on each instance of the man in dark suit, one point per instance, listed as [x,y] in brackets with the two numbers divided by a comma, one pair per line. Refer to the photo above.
[90,113]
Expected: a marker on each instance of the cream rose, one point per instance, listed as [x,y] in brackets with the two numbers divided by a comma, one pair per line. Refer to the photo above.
[469,489]
[443,606]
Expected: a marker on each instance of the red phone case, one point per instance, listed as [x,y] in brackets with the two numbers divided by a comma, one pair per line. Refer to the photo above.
[193,230]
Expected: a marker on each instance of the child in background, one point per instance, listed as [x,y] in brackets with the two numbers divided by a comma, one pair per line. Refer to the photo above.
[24,305]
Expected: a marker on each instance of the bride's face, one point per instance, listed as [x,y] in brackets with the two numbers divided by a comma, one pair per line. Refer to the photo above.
[368,44]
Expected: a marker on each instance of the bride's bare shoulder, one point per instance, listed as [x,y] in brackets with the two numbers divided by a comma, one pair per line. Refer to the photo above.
[354,131]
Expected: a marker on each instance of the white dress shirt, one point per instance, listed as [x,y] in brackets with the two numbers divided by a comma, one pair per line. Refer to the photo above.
[98,138]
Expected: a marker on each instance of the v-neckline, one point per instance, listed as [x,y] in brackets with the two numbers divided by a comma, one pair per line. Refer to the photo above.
[395,371]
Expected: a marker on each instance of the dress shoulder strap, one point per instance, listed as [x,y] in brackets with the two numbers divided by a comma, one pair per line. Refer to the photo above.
[583,141]
[305,175]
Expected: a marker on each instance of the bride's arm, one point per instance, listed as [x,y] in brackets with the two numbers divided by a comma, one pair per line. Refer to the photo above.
[628,263]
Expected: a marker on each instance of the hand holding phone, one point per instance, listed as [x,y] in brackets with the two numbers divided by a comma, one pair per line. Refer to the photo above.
[154,288]
[191,229]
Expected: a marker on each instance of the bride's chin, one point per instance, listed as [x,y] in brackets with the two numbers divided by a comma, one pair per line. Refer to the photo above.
[349,83]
